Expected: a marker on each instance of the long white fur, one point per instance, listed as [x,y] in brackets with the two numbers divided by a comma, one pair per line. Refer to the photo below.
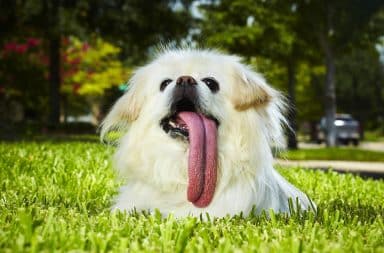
[154,165]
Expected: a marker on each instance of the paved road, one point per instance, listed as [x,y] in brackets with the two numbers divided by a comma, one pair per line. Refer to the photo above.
[375,169]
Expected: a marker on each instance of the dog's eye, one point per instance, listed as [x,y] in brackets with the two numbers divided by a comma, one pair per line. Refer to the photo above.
[164,84]
[212,84]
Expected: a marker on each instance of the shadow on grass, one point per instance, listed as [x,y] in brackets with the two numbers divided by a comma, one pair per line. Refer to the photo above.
[54,138]
[37,132]
[363,174]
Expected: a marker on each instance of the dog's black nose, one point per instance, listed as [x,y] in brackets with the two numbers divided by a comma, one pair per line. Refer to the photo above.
[186,80]
[185,95]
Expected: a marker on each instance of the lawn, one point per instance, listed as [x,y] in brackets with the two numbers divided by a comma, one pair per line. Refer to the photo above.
[345,154]
[374,136]
[55,197]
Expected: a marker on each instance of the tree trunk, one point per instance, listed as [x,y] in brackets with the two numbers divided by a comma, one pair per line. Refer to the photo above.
[54,62]
[291,133]
[325,37]
[65,109]
[330,95]
[379,91]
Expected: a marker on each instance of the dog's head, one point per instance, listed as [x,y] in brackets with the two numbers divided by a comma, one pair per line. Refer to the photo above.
[203,98]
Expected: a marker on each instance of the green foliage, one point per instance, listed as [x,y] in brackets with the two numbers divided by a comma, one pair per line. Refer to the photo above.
[361,80]
[337,23]
[344,154]
[278,35]
[88,70]
[136,26]
[94,67]
[250,28]
[22,77]
[131,26]
[308,92]
[56,197]
[266,33]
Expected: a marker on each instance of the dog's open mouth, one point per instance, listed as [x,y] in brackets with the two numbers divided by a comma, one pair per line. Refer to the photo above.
[175,126]
[188,123]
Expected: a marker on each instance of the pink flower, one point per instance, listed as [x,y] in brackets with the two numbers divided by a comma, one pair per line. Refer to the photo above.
[10,47]
[21,48]
[33,42]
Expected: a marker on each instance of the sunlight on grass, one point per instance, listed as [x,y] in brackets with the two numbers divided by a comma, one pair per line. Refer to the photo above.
[56,197]
[375,136]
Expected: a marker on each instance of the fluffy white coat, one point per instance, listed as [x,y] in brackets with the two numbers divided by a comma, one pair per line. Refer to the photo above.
[154,165]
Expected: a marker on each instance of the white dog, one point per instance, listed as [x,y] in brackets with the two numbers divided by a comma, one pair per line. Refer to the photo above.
[198,127]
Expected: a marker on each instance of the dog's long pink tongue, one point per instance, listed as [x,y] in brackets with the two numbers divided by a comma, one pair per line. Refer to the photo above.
[202,161]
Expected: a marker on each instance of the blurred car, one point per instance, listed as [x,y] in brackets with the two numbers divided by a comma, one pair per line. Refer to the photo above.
[347,130]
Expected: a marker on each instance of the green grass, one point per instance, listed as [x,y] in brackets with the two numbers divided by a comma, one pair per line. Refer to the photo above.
[56,197]
[345,154]
[374,136]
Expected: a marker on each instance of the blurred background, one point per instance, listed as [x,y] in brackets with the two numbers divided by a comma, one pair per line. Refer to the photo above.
[64,62]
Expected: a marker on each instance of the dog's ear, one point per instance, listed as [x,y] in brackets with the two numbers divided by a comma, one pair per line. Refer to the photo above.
[250,89]
[125,110]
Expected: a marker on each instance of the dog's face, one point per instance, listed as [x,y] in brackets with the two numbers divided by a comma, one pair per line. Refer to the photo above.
[209,104]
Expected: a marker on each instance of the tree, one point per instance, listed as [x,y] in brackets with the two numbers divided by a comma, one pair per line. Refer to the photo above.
[136,25]
[133,25]
[53,33]
[22,80]
[290,33]
[262,29]
[90,69]
[361,88]
[332,26]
